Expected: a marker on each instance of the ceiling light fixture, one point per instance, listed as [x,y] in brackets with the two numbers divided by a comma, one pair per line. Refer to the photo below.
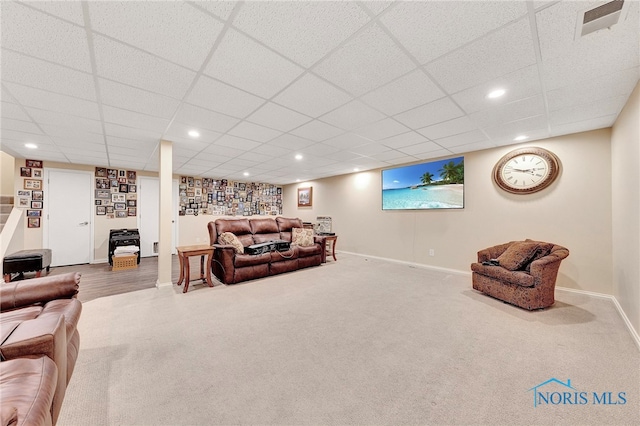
[496,93]
[298,156]
[297,180]
[356,169]
[246,173]
[30,145]
[194,133]
[520,138]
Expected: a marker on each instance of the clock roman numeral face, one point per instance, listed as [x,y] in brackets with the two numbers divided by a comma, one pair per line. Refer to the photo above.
[525,171]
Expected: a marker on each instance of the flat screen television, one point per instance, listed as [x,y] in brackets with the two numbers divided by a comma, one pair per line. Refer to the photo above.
[433,185]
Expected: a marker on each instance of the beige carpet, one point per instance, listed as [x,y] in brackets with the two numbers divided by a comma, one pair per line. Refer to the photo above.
[358,341]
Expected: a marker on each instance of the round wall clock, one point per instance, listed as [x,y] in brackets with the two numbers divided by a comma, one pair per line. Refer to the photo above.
[526,170]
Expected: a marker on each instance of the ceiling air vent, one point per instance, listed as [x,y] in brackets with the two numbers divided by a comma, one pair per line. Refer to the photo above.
[598,18]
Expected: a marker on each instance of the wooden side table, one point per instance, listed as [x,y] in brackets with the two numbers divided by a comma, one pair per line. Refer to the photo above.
[184,253]
[334,240]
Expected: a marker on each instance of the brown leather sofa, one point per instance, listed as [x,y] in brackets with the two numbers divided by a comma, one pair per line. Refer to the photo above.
[39,344]
[231,267]
[522,273]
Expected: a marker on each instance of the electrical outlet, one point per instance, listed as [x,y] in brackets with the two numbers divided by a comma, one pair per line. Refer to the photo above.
[432,252]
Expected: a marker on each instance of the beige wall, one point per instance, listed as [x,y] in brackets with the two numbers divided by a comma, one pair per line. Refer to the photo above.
[7,164]
[625,149]
[574,212]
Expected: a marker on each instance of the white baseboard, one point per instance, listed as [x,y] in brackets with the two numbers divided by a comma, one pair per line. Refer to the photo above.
[632,331]
[96,261]
[623,315]
[163,285]
[413,264]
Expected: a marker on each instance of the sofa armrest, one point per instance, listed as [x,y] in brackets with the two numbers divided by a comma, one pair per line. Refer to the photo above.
[41,336]
[223,263]
[38,290]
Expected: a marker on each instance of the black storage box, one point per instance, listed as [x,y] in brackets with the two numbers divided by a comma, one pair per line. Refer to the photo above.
[123,237]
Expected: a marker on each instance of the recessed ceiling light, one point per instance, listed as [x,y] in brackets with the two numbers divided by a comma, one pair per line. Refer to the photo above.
[496,93]
[246,173]
[356,169]
[298,156]
[520,138]
[297,180]
[30,145]
[194,133]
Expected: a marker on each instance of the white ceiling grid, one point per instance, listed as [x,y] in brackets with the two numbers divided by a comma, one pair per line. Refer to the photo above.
[346,84]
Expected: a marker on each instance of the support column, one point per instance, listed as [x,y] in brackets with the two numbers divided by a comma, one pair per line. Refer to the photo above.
[166,214]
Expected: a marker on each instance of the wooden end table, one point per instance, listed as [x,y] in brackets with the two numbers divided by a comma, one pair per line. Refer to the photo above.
[334,240]
[184,253]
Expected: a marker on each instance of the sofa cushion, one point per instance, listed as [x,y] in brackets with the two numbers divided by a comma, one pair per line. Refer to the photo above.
[518,254]
[520,278]
[285,225]
[227,238]
[264,226]
[315,249]
[543,250]
[242,260]
[302,237]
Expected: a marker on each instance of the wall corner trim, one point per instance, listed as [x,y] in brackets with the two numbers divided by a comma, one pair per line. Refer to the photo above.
[634,333]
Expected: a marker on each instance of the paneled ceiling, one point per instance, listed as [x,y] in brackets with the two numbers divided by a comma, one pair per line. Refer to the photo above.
[346,85]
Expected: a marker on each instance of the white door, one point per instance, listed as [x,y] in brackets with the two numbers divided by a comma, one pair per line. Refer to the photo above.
[149,215]
[68,209]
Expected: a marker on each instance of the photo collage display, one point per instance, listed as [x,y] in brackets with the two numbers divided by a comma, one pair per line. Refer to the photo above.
[230,198]
[116,193]
[31,196]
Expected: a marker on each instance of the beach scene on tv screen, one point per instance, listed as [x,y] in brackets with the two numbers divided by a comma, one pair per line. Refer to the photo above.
[433,185]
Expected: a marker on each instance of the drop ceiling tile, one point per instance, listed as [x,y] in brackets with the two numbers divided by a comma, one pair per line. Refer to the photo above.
[508,131]
[473,136]
[604,107]
[371,149]
[319,27]
[476,146]
[263,72]
[405,139]
[409,91]
[223,151]
[10,110]
[317,131]
[291,142]
[74,147]
[519,84]
[71,122]
[120,131]
[217,96]
[377,7]
[389,155]
[201,118]
[86,157]
[272,150]
[30,97]
[568,60]
[62,135]
[180,131]
[502,52]
[583,126]
[221,9]
[528,107]
[382,129]
[120,142]
[344,155]
[439,153]
[277,117]
[435,112]
[448,128]
[369,60]
[128,152]
[172,30]
[347,141]
[255,157]
[69,10]
[254,132]
[45,75]
[312,96]
[134,119]
[401,160]
[431,29]
[19,126]
[237,143]
[352,115]
[54,40]
[142,70]
[591,91]
[420,148]
[317,150]
[132,98]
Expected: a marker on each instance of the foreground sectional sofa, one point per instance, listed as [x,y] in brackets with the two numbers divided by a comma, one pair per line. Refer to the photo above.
[231,266]
[39,344]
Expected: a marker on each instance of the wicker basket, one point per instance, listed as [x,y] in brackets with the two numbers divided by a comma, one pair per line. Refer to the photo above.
[121,263]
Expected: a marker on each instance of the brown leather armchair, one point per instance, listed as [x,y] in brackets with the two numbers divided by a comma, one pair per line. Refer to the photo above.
[522,273]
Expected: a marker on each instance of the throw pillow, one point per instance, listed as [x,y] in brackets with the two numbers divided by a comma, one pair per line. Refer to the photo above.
[543,250]
[227,238]
[518,255]
[302,237]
